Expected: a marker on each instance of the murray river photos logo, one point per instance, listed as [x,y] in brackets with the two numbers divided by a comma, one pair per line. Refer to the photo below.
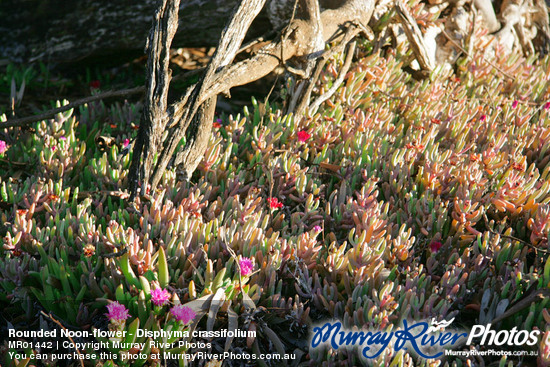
[426,340]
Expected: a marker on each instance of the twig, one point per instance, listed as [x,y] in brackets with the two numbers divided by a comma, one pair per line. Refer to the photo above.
[81,358]
[512,237]
[23,121]
[19,164]
[251,44]
[483,57]
[367,32]
[116,193]
[349,34]
[116,254]
[385,93]
[286,34]
[271,90]
[322,98]
[48,114]
[520,305]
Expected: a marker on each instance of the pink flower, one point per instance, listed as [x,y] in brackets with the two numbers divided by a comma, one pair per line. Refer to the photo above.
[126,143]
[160,297]
[435,246]
[515,103]
[483,118]
[303,136]
[183,313]
[63,138]
[274,203]
[317,229]
[117,312]
[53,148]
[3,147]
[547,106]
[246,266]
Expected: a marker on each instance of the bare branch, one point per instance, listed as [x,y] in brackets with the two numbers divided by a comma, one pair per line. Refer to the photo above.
[537,296]
[192,115]
[49,315]
[316,45]
[153,119]
[268,59]
[488,13]
[230,42]
[415,37]
[351,32]
[349,57]
[24,121]
[484,58]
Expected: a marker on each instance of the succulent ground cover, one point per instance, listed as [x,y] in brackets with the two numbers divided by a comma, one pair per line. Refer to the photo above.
[399,199]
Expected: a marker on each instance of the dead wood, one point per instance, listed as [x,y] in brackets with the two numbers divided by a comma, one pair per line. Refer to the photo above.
[315,46]
[185,110]
[24,121]
[192,115]
[87,31]
[198,134]
[469,55]
[351,32]
[56,31]
[336,84]
[486,9]
[300,50]
[158,82]
[416,40]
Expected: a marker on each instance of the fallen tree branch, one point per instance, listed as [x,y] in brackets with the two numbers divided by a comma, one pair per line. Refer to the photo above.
[24,121]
